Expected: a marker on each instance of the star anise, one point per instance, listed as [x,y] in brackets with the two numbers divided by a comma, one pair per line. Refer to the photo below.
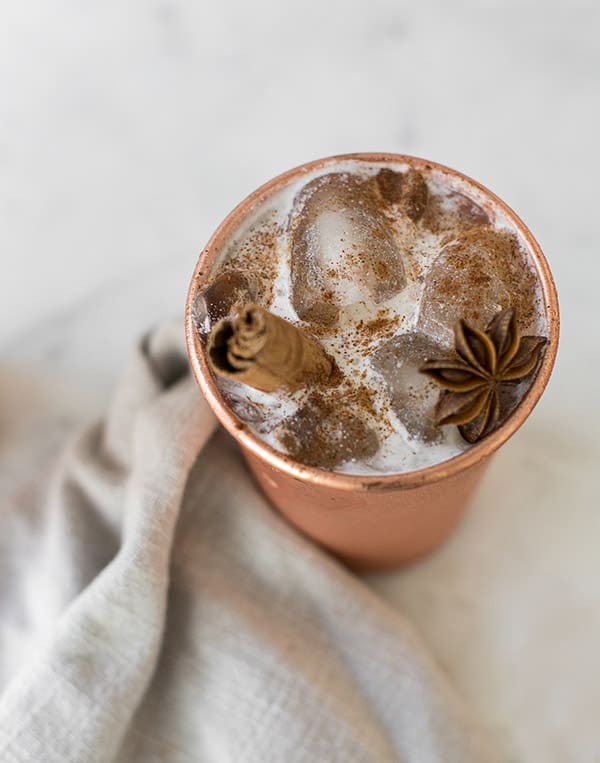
[474,380]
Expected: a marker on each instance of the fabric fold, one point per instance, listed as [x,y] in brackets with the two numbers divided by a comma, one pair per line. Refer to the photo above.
[155,608]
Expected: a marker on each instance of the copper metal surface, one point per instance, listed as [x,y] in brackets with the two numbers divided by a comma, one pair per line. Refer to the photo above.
[370,521]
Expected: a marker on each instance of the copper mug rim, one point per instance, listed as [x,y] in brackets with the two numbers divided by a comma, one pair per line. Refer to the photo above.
[405,480]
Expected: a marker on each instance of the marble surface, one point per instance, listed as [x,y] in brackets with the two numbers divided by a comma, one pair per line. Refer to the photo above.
[128,131]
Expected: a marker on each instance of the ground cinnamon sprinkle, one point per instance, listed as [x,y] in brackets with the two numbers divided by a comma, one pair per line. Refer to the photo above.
[333,425]
[479,272]
[257,259]
[380,325]
[381,271]
[363,397]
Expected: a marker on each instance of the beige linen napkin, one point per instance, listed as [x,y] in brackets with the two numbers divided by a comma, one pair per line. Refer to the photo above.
[154,608]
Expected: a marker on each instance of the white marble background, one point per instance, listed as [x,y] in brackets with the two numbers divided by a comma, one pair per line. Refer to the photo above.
[129,129]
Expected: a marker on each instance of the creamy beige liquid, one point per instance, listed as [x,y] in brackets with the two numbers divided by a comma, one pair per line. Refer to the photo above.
[386,282]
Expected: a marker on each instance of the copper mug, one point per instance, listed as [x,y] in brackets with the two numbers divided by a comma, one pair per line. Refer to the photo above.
[379,521]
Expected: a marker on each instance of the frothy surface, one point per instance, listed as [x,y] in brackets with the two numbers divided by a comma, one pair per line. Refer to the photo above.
[378,268]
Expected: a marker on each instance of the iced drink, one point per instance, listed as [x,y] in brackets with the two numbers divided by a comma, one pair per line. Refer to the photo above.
[381,265]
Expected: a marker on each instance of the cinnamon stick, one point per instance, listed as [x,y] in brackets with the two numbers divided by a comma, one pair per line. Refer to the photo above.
[266,352]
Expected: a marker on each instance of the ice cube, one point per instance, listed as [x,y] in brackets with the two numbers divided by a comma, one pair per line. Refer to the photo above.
[453,212]
[412,394]
[407,191]
[220,299]
[259,414]
[477,274]
[324,433]
[343,249]
[263,411]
